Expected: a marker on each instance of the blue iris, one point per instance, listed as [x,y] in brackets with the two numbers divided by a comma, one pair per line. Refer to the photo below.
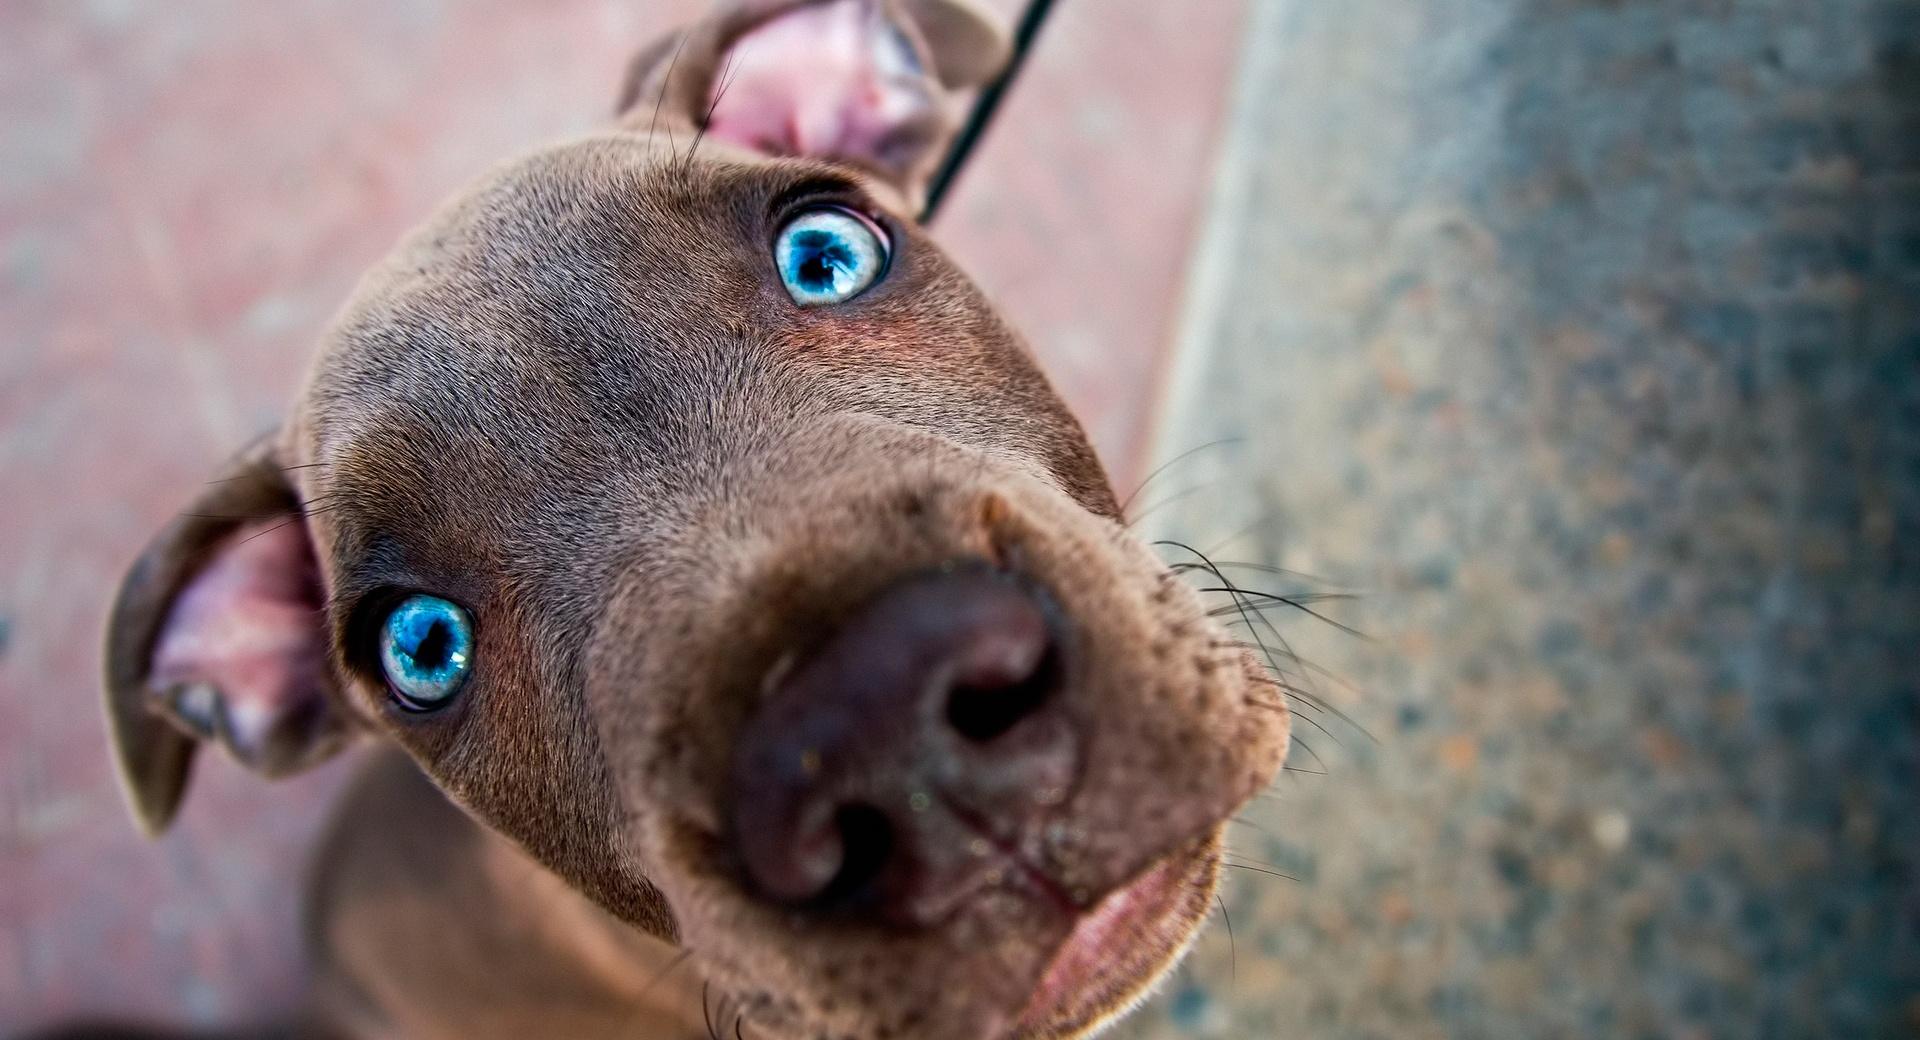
[426,648]
[828,256]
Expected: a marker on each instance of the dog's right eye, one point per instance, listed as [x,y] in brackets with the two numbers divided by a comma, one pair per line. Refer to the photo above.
[426,649]
[829,255]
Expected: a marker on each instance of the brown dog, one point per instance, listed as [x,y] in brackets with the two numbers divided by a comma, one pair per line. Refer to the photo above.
[754,629]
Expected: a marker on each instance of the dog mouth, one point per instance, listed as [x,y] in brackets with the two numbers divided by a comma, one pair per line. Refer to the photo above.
[1120,948]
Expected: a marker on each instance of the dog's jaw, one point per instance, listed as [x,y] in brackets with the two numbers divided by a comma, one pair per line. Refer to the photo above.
[1118,953]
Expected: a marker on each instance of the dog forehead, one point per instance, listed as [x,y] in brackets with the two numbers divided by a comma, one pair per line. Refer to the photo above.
[614,252]
[570,318]
[612,227]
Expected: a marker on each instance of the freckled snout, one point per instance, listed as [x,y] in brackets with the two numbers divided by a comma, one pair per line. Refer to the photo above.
[887,772]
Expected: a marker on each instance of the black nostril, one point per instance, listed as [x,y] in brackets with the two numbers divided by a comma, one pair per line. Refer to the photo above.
[981,711]
[866,842]
[931,712]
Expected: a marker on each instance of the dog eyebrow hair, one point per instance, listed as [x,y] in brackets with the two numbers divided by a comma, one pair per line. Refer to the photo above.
[829,185]
[367,568]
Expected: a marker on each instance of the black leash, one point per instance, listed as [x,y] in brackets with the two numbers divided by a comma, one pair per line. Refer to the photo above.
[985,106]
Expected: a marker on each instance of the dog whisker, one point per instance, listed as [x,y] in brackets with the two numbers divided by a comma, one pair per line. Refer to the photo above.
[1233,949]
[1264,520]
[1260,870]
[706,120]
[1247,615]
[1318,704]
[1261,863]
[665,80]
[1229,588]
[236,517]
[1290,599]
[1173,499]
[1287,692]
[248,475]
[1283,682]
[1297,605]
[1268,653]
[1162,469]
[1254,618]
[318,503]
[292,519]
[1261,568]
[1323,672]
[1307,749]
[1308,719]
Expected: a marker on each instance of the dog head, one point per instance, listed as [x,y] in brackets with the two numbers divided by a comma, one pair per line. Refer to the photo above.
[696,524]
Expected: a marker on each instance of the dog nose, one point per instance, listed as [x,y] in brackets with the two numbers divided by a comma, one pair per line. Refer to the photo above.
[885,774]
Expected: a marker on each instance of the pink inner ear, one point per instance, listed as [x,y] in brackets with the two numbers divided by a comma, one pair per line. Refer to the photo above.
[829,80]
[249,625]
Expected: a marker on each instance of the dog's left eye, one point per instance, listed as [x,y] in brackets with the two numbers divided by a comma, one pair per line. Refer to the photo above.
[829,255]
[426,648]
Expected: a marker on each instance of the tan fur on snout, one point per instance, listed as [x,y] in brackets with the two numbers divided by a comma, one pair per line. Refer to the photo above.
[579,403]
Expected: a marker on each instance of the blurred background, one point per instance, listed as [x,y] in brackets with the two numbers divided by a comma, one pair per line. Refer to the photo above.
[1577,342]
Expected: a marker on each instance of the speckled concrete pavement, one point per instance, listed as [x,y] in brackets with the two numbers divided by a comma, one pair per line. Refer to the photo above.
[1583,340]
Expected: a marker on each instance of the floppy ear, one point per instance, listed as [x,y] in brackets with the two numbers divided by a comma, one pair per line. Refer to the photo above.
[968,43]
[869,83]
[219,634]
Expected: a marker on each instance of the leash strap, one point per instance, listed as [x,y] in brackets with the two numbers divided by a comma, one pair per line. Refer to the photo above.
[985,107]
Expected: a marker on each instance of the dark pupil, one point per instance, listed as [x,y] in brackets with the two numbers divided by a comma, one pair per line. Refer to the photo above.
[822,256]
[431,653]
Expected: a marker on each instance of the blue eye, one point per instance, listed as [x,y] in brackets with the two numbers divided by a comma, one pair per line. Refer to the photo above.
[828,256]
[426,647]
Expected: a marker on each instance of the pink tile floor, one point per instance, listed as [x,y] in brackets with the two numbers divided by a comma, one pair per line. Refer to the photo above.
[188,189]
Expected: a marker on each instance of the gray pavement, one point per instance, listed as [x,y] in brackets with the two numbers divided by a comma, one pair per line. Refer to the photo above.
[1583,340]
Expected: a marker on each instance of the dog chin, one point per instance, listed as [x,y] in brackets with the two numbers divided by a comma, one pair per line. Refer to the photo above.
[1120,950]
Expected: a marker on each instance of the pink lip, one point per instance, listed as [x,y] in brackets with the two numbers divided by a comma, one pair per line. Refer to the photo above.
[1123,921]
